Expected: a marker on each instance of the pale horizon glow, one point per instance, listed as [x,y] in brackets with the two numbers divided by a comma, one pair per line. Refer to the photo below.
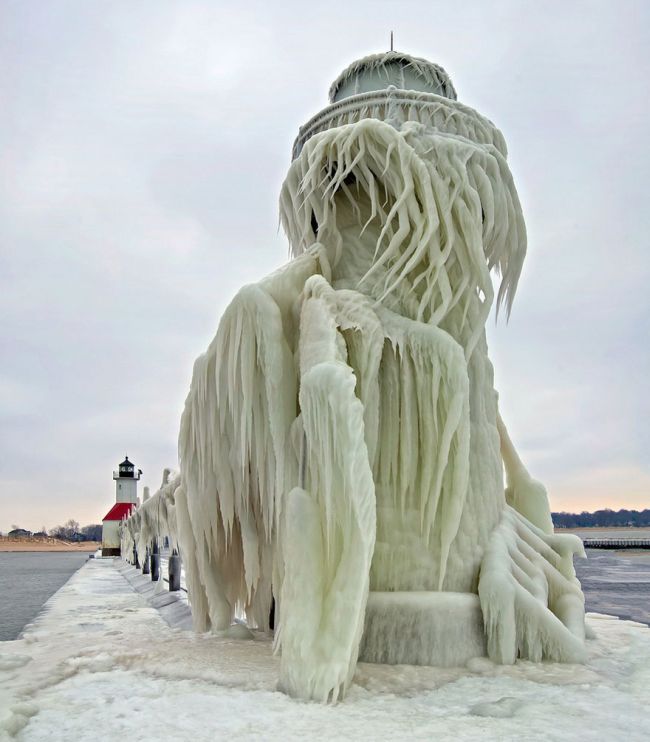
[142,150]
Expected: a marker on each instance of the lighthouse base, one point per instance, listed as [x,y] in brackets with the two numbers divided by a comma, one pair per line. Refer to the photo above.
[441,629]
[111,551]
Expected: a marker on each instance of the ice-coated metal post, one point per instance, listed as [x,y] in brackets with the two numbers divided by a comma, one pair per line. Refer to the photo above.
[145,562]
[155,561]
[174,571]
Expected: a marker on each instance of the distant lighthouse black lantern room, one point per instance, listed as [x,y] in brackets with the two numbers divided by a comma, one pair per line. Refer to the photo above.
[126,499]
[126,469]
[126,482]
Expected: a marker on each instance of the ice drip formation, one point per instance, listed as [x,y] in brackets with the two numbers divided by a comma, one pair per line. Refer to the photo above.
[341,449]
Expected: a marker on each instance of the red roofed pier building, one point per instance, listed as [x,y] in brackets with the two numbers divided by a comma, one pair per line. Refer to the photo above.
[126,496]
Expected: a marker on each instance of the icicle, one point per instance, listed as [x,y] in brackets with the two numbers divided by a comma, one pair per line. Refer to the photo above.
[330,524]
[523,493]
[440,192]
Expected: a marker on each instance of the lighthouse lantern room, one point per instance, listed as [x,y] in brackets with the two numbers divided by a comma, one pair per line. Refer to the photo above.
[126,499]
[126,482]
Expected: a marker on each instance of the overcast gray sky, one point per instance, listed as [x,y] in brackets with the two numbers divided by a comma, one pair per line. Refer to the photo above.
[142,148]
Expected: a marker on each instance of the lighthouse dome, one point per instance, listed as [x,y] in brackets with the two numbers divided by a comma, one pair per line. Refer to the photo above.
[401,71]
[397,88]
[126,468]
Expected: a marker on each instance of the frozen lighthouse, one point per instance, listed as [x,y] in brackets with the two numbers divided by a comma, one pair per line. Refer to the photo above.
[342,453]
[126,498]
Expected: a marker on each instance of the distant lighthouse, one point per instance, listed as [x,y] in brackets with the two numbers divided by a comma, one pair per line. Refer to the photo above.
[126,499]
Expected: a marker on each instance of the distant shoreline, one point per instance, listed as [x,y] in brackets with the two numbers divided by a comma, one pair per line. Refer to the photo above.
[46,544]
[26,543]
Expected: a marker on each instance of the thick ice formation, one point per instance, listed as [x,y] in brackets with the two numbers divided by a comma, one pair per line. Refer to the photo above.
[341,436]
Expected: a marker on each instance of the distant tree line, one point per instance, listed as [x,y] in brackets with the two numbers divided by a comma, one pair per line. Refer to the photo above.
[69,531]
[602,519]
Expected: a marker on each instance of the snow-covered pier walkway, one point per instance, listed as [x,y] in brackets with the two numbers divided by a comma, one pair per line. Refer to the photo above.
[101,663]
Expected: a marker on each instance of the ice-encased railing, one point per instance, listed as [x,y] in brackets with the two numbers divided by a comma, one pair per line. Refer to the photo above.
[532,603]
[153,520]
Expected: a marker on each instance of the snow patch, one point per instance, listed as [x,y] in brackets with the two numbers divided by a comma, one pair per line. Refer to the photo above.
[12,661]
[504,708]
[97,663]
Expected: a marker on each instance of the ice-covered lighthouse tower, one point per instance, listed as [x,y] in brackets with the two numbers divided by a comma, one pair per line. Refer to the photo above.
[341,447]
[126,498]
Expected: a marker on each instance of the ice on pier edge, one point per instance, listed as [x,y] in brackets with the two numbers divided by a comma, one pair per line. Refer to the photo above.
[101,664]
[341,448]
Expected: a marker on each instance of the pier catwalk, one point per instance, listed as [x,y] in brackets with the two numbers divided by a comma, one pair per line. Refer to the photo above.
[100,657]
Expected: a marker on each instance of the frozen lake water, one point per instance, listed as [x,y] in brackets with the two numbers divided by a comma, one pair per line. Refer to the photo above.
[27,580]
[617,583]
